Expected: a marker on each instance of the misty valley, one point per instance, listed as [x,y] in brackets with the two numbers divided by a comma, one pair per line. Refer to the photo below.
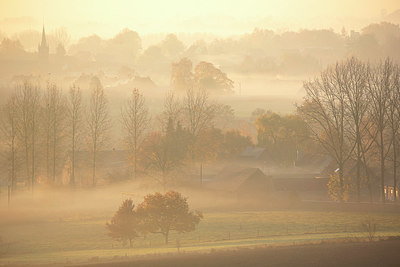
[147,139]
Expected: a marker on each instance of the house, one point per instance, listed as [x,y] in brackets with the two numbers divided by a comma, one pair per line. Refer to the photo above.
[246,183]
[308,178]
[257,157]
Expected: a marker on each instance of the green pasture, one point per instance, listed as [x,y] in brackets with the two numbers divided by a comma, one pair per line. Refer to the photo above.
[87,240]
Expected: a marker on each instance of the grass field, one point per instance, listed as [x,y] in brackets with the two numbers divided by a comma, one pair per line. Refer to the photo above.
[84,240]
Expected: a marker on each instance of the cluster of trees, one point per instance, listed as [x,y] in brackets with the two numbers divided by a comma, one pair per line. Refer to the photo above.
[282,135]
[158,213]
[352,110]
[188,135]
[261,51]
[41,126]
[206,76]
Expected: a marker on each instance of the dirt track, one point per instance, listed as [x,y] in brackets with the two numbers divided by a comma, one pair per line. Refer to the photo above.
[383,253]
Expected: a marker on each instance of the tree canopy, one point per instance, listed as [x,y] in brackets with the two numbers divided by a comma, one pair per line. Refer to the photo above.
[162,213]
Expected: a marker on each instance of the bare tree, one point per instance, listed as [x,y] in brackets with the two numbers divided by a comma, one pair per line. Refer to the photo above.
[135,119]
[352,78]
[379,86]
[324,110]
[172,110]
[28,102]
[9,130]
[62,36]
[54,118]
[393,113]
[164,154]
[74,121]
[98,122]
[199,113]
[367,153]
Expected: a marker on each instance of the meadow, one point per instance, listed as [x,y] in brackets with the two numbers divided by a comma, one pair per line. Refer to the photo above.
[85,240]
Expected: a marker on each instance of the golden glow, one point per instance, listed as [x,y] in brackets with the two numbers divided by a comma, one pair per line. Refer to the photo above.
[83,17]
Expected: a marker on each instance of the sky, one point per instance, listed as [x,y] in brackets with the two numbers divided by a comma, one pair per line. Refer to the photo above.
[106,18]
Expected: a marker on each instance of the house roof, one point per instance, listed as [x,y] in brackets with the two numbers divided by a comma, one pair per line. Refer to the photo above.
[232,180]
[301,184]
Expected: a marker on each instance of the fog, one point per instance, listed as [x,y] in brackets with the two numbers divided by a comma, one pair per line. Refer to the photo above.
[129,129]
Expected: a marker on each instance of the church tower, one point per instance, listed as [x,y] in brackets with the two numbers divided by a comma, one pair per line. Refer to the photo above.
[43,47]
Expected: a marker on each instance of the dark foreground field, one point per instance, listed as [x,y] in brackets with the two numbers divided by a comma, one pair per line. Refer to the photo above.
[382,253]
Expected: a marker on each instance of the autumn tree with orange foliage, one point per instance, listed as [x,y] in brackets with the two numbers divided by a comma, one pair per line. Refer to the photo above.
[163,213]
[124,226]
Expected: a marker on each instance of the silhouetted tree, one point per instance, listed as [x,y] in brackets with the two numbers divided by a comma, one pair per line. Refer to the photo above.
[200,114]
[54,118]
[164,153]
[98,122]
[394,124]
[9,129]
[352,79]
[135,119]
[74,121]
[181,75]
[282,135]
[324,111]
[380,86]
[28,101]
[212,79]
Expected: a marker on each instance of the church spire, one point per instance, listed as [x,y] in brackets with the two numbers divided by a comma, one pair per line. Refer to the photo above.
[44,42]
[43,47]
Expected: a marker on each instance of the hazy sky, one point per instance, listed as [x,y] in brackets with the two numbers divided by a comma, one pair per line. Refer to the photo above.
[106,18]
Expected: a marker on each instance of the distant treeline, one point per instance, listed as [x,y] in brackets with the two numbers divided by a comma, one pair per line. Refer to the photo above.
[261,51]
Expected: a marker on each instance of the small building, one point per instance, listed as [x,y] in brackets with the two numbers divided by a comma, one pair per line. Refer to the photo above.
[257,157]
[246,183]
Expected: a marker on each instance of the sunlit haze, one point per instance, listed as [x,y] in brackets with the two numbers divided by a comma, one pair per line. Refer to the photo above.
[200,133]
[223,17]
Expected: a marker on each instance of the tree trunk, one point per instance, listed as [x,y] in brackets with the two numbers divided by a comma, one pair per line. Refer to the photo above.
[13,167]
[27,159]
[134,162]
[48,159]
[394,169]
[382,158]
[166,237]
[94,167]
[135,142]
[201,174]
[341,182]
[33,152]
[358,170]
[72,178]
[54,153]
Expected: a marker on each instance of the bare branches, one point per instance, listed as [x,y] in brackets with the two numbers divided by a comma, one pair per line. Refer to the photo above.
[135,120]
[75,109]
[352,108]
[98,122]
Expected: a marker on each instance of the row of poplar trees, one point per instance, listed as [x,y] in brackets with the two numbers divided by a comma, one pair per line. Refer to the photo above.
[353,111]
[40,124]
